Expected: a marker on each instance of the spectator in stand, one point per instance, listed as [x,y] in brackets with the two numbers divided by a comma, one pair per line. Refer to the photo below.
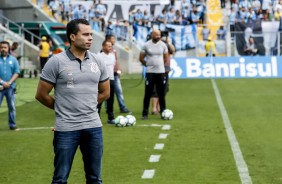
[250,16]
[171,16]
[222,3]
[55,7]
[260,14]
[70,13]
[245,4]
[278,16]
[266,5]
[242,15]
[124,30]
[232,19]
[118,29]
[185,3]
[162,20]
[268,15]
[235,6]
[146,21]
[221,33]
[101,12]
[93,19]
[256,5]
[195,17]
[66,5]
[278,6]
[201,8]
[205,33]
[131,16]
[178,17]
[250,47]
[78,12]
[110,28]
[186,12]
[40,3]
[138,17]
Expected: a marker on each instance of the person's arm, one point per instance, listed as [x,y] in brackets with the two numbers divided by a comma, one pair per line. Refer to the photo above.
[7,84]
[103,91]
[166,57]
[142,58]
[43,94]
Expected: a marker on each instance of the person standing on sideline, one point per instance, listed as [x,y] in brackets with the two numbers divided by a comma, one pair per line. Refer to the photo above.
[9,72]
[210,47]
[155,99]
[156,53]
[110,61]
[117,83]
[80,80]
[44,51]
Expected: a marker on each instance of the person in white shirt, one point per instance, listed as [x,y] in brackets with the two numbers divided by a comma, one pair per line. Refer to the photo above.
[110,60]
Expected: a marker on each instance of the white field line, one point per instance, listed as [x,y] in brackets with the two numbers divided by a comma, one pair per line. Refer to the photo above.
[148,174]
[154,158]
[163,136]
[159,146]
[239,159]
[166,127]
[35,128]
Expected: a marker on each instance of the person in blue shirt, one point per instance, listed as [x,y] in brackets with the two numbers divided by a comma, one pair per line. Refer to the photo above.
[9,72]
[221,33]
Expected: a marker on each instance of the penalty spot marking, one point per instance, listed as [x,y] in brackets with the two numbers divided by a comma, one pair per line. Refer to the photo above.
[159,146]
[163,136]
[239,159]
[154,158]
[148,174]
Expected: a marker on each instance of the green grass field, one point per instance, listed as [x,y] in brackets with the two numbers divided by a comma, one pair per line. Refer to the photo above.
[196,151]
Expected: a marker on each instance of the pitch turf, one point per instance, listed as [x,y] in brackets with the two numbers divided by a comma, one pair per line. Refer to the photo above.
[196,151]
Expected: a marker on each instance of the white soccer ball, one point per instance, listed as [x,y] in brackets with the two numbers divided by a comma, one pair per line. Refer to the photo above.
[120,121]
[167,114]
[131,120]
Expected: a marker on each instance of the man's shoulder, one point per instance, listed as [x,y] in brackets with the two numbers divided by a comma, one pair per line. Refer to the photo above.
[11,57]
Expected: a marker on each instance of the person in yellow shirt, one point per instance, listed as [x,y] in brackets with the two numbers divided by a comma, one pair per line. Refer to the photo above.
[44,51]
[210,47]
[277,14]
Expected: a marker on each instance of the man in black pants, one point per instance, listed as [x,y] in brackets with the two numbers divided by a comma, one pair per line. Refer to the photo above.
[156,53]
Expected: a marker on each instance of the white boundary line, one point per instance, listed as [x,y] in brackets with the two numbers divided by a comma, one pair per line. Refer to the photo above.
[35,128]
[239,159]
[148,174]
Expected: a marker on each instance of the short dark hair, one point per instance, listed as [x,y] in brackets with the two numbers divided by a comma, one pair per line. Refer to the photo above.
[105,41]
[109,36]
[72,27]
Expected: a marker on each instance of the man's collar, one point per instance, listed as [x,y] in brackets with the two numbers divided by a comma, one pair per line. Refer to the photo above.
[72,57]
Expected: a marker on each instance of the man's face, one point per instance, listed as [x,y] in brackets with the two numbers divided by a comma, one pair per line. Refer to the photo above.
[156,36]
[83,39]
[4,48]
[107,47]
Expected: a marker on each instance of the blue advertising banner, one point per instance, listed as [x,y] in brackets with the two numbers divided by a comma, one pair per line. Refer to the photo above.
[226,67]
